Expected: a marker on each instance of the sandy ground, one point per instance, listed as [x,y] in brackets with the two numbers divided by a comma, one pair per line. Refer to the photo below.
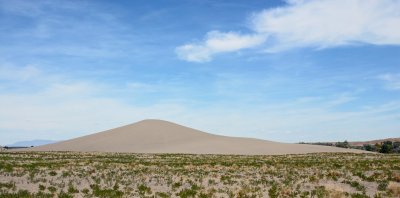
[157,136]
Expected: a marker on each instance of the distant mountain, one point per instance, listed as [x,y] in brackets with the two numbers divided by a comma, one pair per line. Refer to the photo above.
[31,143]
[158,136]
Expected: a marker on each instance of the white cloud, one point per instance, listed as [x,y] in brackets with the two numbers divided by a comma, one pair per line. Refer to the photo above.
[231,41]
[218,42]
[194,53]
[392,81]
[330,23]
[317,23]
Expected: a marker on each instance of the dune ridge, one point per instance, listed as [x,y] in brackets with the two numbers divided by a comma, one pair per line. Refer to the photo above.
[158,136]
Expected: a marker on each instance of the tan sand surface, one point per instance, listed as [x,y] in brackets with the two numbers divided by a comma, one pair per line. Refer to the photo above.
[157,136]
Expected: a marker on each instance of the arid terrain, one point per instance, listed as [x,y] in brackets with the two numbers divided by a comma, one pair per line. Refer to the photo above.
[158,136]
[73,174]
[155,158]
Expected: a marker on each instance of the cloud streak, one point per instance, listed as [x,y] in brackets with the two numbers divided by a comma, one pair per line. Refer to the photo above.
[392,81]
[20,74]
[318,24]
[218,42]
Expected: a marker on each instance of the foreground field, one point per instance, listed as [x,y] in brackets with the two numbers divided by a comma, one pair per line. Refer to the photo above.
[69,174]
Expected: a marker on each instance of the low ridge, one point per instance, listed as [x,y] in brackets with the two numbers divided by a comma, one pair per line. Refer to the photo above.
[158,136]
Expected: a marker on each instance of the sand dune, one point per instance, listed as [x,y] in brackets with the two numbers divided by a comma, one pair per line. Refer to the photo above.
[157,136]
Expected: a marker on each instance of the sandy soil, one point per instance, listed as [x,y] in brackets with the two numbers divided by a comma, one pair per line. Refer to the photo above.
[157,136]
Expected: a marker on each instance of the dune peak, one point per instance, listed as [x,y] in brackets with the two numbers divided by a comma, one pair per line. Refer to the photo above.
[161,136]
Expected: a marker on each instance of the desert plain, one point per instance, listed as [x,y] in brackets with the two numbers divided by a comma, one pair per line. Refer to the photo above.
[92,174]
[155,158]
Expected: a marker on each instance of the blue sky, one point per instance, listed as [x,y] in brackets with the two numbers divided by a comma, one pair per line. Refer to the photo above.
[322,70]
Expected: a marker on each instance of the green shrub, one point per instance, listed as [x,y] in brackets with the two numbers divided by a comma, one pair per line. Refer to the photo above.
[106,193]
[273,191]
[8,185]
[72,189]
[62,194]
[52,189]
[41,187]
[382,186]
[185,193]
[143,189]
[358,195]
[52,173]
[85,191]
[320,192]
[163,195]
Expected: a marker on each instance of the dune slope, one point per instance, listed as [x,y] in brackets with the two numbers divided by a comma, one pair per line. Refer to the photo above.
[157,136]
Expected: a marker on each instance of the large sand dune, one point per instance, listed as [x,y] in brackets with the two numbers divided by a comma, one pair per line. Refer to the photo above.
[157,136]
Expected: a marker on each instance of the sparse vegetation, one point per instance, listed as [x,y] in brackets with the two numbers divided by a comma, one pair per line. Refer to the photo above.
[69,174]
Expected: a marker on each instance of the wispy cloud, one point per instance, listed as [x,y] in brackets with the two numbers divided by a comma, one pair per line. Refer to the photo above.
[66,110]
[53,30]
[63,107]
[317,24]
[392,81]
[330,23]
[218,42]
[8,72]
